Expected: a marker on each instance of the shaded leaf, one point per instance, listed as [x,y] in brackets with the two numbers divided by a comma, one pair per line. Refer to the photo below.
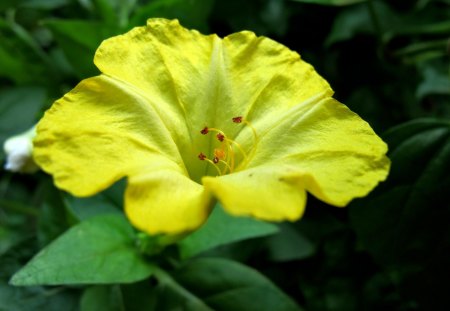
[37,298]
[331,2]
[191,13]
[289,244]
[19,109]
[225,285]
[222,228]
[434,82]
[404,223]
[356,20]
[101,298]
[79,40]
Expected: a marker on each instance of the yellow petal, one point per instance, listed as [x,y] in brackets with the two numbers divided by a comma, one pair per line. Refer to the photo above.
[178,69]
[100,132]
[320,147]
[165,201]
[161,84]
[260,192]
[198,80]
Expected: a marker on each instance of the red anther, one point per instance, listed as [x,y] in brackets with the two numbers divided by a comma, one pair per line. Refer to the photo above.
[237,119]
[220,137]
[201,156]
[216,160]
[205,130]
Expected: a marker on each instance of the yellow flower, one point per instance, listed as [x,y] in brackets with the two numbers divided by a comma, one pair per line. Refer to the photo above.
[189,119]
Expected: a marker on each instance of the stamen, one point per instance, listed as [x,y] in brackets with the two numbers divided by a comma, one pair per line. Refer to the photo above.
[255,136]
[237,119]
[226,154]
[220,137]
[202,157]
[227,166]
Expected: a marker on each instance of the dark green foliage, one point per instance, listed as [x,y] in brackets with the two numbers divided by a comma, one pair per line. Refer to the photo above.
[387,60]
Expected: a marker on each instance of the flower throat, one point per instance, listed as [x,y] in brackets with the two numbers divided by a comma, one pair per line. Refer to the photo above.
[224,158]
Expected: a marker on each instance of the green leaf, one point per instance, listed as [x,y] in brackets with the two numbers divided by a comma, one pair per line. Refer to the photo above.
[223,285]
[19,109]
[12,66]
[222,228]
[44,4]
[54,217]
[102,298]
[37,298]
[434,82]
[109,201]
[404,223]
[289,244]
[79,40]
[84,208]
[356,20]
[331,2]
[191,13]
[99,250]
[413,197]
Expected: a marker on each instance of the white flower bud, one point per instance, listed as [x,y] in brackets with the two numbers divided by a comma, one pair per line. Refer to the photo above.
[19,153]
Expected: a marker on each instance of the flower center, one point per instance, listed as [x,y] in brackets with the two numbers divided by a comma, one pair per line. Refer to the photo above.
[224,157]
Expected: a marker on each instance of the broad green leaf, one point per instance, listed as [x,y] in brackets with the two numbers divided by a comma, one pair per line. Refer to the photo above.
[223,285]
[331,2]
[99,250]
[222,228]
[102,298]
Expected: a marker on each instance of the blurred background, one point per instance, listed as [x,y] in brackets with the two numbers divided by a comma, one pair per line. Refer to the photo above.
[387,60]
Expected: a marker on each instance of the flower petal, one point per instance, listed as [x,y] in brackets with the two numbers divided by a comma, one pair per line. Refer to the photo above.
[165,201]
[196,80]
[340,152]
[260,192]
[319,146]
[100,132]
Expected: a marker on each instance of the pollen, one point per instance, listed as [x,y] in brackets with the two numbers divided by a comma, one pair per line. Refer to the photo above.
[220,154]
[204,131]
